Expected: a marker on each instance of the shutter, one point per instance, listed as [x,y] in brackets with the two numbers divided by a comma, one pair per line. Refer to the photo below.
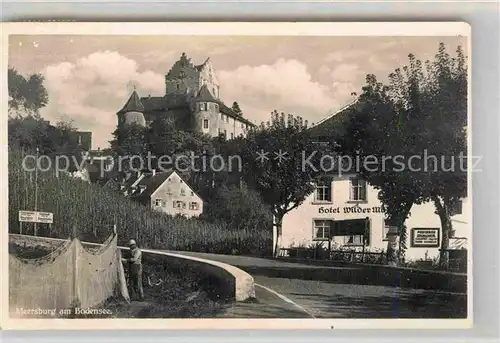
[367,232]
[362,195]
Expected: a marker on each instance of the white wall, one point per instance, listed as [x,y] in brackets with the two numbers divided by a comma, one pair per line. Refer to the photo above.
[170,191]
[298,224]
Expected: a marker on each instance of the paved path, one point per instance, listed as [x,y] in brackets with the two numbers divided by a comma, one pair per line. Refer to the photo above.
[279,295]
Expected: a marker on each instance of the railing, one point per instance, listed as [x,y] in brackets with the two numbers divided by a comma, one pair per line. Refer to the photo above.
[350,256]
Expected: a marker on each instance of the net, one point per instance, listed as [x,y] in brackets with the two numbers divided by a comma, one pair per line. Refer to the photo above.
[69,276]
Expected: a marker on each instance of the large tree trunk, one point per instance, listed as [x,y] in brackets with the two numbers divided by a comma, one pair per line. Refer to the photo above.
[442,208]
[278,221]
[398,220]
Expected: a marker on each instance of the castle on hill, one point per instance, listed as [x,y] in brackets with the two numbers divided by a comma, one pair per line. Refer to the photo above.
[192,101]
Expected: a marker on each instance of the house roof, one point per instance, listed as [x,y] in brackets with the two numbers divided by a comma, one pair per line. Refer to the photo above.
[332,122]
[133,104]
[151,184]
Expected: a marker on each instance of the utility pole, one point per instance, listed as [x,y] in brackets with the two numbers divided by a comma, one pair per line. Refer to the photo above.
[36,188]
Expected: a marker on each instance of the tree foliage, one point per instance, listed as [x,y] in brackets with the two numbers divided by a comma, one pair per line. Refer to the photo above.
[236,109]
[421,112]
[283,183]
[26,95]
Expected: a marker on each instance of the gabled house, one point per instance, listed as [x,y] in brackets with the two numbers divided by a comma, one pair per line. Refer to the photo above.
[164,191]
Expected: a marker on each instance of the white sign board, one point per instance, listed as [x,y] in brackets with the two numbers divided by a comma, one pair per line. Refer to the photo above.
[45,217]
[36,217]
[27,216]
[425,237]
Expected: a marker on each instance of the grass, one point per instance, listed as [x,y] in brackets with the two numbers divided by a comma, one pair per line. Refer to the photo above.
[92,211]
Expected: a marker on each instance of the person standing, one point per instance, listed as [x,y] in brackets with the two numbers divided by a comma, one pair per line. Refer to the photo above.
[135,269]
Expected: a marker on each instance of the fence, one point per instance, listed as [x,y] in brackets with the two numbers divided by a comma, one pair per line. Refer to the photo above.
[70,276]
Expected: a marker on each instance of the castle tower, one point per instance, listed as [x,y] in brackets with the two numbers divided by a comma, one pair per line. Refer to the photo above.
[205,110]
[186,78]
[132,112]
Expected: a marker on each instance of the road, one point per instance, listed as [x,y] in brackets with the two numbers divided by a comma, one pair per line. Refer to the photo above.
[281,295]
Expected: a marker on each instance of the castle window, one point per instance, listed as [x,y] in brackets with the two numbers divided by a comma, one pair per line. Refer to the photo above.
[232,135]
[177,86]
[225,133]
[216,107]
[205,123]
[202,106]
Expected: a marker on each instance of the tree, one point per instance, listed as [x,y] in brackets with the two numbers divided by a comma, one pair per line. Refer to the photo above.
[240,207]
[420,111]
[26,95]
[445,99]
[129,141]
[236,109]
[273,165]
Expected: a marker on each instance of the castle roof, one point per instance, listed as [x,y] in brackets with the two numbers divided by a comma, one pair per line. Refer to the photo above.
[133,104]
[201,66]
[205,95]
[180,102]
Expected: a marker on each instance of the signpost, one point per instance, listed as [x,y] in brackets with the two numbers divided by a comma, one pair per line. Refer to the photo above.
[35,217]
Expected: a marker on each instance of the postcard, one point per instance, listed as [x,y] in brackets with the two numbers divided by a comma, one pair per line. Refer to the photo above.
[236,175]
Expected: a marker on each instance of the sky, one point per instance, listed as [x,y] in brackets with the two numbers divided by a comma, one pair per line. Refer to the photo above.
[89,78]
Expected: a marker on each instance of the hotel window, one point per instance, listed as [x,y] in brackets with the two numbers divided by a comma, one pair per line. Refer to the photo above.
[158,202]
[205,123]
[353,240]
[193,206]
[358,190]
[323,192]
[322,229]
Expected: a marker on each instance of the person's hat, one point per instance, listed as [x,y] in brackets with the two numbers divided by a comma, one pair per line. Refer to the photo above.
[131,242]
